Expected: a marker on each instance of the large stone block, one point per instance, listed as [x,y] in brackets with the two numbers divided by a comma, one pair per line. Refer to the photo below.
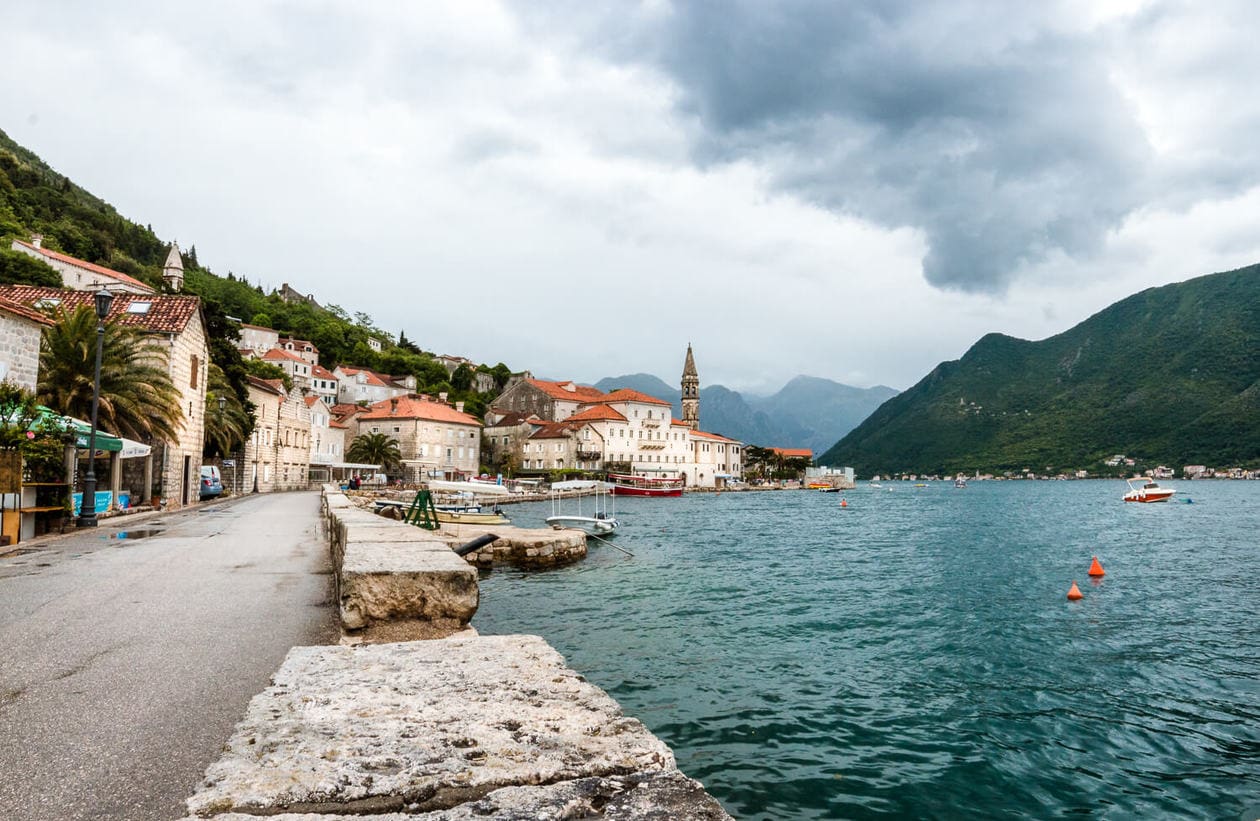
[401,581]
[422,726]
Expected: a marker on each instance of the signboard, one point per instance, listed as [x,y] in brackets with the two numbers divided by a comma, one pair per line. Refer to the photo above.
[229,463]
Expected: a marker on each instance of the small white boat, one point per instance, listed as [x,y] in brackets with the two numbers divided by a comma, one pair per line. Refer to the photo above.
[1145,489]
[960,483]
[600,522]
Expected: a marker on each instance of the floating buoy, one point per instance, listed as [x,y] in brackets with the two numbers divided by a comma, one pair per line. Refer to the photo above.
[1074,592]
[1095,569]
[843,503]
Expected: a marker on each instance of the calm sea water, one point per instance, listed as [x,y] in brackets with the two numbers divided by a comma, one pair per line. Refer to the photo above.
[914,654]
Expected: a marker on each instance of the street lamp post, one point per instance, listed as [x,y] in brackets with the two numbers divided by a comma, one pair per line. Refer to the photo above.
[87,510]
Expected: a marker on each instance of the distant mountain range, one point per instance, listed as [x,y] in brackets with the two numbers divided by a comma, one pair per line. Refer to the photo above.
[1170,375]
[808,412]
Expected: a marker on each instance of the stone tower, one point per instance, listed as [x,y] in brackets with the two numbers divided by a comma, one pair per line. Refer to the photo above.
[173,270]
[690,392]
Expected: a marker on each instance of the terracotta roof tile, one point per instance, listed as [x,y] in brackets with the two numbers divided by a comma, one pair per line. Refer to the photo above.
[87,266]
[275,386]
[568,391]
[597,413]
[165,314]
[18,309]
[372,377]
[320,372]
[629,395]
[713,436]
[276,354]
[794,453]
[413,407]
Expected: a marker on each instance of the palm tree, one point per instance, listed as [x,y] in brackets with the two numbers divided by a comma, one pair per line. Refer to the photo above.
[226,428]
[137,400]
[375,449]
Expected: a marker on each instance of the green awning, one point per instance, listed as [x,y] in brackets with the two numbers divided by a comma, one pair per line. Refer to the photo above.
[81,430]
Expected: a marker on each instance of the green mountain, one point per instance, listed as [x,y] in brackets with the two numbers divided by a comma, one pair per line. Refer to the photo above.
[1169,376]
[34,198]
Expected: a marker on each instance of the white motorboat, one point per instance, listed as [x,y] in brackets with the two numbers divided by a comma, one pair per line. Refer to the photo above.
[600,522]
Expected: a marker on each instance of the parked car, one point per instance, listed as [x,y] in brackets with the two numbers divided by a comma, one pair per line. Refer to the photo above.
[211,482]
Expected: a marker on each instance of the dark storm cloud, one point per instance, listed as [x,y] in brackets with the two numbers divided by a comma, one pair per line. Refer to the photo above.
[997,137]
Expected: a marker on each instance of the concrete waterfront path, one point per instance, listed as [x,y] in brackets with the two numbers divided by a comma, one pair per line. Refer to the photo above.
[127,662]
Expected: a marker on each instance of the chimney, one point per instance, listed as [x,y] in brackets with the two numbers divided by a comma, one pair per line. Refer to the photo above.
[393,405]
[37,240]
[459,406]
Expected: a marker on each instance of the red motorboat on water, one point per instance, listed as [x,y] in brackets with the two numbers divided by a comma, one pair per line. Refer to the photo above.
[1144,489]
[626,485]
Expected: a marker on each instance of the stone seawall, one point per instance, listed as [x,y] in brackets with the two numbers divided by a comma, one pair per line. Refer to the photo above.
[462,727]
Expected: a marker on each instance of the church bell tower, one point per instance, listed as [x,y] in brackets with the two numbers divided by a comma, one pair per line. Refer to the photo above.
[690,392]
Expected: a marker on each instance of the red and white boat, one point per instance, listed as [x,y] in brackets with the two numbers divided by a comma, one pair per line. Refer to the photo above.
[1144,489]
[625,485]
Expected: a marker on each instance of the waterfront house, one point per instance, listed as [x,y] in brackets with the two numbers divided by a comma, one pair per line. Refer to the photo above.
[435,439]
[716,460]
[277,455]
[328,440]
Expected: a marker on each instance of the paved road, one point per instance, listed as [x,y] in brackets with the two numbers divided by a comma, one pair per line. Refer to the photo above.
[124,663]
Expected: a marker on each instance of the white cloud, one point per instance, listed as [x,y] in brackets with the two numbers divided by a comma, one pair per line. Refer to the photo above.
[507,190]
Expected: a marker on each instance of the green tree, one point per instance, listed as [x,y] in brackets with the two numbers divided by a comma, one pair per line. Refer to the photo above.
[19,268]
[137,398]
[226,427]
[375,449]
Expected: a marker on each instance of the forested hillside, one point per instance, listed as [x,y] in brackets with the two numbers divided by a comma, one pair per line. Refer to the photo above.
[36,199]
[1170,375]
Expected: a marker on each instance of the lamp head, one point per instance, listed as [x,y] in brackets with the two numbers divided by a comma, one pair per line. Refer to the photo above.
[104,299]
[222,402]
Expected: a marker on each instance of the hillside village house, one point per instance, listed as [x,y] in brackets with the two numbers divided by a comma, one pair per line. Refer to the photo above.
[175,331]
[256,340]
[80,275]
[360,385]
[434,438]
[324,385]
[298,369]
[277,455]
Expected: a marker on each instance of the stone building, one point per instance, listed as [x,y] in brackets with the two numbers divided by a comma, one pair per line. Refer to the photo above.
[257,340]
[434,438]
[324,385]
[359,385]
[176,334]
[328,440]
[690,392]
[551,401]
[278,453]
[80,275]
[20,330]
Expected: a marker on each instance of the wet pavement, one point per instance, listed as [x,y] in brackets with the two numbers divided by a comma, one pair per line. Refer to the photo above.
[132,650]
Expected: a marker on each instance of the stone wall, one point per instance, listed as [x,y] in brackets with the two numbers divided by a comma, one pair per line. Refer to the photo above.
[186,358]
[19,350]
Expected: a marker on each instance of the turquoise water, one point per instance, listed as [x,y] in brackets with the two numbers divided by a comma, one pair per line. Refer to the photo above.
[914,654]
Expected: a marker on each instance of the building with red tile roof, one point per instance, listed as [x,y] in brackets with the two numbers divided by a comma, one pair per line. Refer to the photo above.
[552,401]
[176,335]
[434,438]
[793,453]
[79,274]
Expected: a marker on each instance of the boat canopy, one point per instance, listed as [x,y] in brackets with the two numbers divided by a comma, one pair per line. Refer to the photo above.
[469,487]
[580,484]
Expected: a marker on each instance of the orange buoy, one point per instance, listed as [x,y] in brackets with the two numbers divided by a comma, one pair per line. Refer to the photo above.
[843,503]
[1074,592]
[1095,569]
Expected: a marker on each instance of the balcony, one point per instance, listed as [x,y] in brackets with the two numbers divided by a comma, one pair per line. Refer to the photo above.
[589,455]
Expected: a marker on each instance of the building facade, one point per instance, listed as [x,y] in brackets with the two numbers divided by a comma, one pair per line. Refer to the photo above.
[80,275]
[20,331]
[434,438]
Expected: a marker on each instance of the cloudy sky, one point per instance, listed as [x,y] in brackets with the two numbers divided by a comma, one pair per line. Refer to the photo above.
[849,190]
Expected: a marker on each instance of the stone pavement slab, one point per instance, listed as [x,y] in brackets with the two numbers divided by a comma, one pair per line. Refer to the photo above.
[418,727]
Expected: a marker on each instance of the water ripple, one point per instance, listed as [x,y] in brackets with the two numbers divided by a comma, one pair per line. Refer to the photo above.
[914,654]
